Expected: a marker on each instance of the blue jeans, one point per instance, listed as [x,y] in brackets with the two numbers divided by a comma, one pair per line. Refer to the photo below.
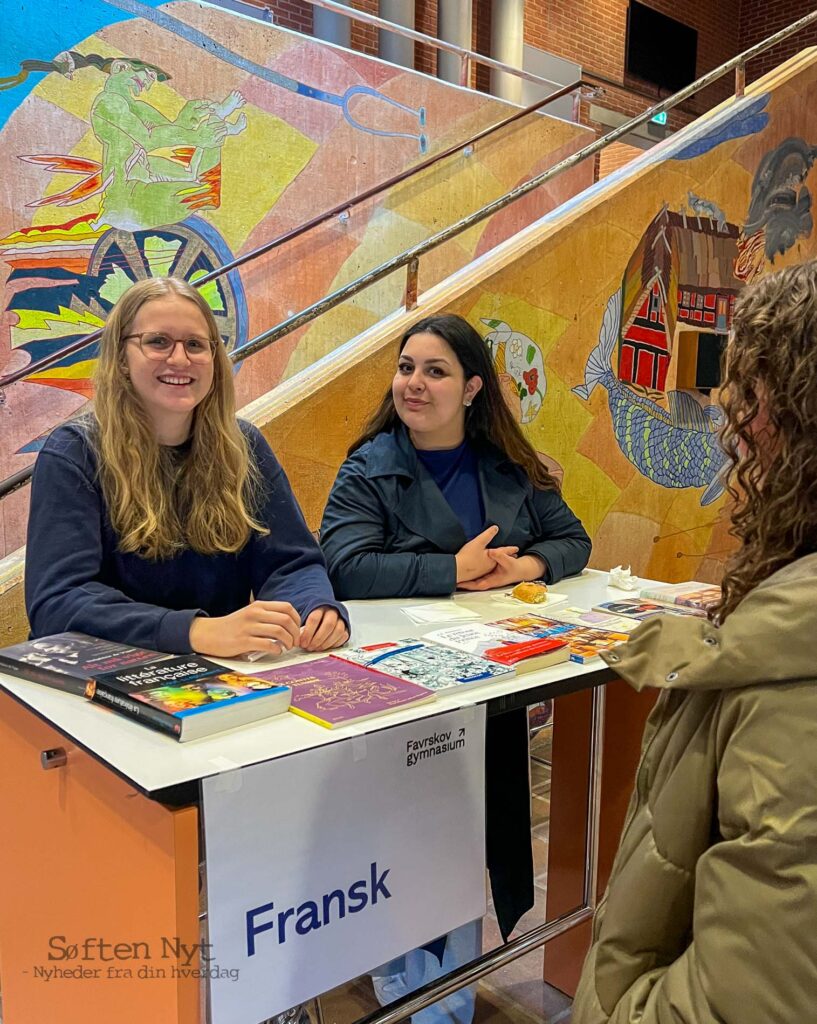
[412,970]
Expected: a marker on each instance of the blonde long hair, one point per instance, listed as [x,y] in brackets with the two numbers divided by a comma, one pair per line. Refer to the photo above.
[771,370]
[157,505]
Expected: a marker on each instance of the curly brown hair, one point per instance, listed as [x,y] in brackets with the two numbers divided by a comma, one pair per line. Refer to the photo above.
[769,398]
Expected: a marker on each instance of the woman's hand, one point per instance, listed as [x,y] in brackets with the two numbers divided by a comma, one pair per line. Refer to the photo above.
[269,626]
[323,630]
[507,570]
[474,558]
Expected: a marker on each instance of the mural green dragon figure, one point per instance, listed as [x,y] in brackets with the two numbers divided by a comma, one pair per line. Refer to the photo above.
[154,171]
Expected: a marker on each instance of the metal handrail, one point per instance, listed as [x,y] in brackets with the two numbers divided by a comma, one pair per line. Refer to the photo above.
[410,258]
[342,208]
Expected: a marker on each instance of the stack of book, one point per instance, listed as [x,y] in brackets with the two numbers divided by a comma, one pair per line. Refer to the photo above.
[185,697]
[697,598]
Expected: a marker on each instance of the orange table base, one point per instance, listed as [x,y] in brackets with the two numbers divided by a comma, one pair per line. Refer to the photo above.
[98,890]
[625,714]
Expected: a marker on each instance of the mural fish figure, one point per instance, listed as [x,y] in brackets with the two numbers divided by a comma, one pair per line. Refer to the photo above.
[675,449]
[520,360]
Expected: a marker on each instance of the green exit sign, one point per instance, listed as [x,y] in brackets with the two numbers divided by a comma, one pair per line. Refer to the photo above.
[660,118]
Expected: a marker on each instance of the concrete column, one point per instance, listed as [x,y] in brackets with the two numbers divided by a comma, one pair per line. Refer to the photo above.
[331,27]
[393,48]
[507,45]
[454,26]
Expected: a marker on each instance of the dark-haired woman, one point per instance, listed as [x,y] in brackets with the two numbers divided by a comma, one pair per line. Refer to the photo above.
[442,491]
[711,911]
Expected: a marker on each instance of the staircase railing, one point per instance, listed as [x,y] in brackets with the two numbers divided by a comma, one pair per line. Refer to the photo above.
[340,210]
[410,257]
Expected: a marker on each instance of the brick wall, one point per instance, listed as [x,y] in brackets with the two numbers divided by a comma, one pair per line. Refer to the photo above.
[425,21]
[294,14]
[760,19]
[297,15]
[615,156]
[365,37]
[593,34]
[482,42]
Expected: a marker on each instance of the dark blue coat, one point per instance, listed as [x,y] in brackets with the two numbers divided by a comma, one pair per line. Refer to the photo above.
[78,579]
[388,531]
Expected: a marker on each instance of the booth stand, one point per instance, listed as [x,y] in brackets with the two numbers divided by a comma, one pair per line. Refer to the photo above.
[98,888]
[101,846]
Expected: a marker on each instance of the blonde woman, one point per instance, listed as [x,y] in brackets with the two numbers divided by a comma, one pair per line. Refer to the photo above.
[160,520]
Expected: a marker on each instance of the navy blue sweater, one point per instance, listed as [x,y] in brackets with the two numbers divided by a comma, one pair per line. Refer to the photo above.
[77,579]
[456,472]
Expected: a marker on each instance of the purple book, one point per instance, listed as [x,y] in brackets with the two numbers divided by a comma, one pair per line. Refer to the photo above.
[333,692]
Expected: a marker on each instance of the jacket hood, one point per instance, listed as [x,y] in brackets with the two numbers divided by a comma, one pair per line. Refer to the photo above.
[770,637]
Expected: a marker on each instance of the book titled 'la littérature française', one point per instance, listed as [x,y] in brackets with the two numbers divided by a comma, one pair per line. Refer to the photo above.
[186,697]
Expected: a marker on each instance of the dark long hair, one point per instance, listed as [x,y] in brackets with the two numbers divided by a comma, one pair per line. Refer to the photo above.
[771,367]
[488,420]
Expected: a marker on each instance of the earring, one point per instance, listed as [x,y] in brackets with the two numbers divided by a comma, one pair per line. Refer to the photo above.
[467,403]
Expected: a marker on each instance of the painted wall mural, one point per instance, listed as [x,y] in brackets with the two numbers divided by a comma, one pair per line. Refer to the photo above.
[521,368]
[619,301]
[678,448]
[741,208]
[608,318]
[139,138]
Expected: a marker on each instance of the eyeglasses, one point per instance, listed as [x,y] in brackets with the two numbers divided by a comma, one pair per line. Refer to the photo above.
[158,346]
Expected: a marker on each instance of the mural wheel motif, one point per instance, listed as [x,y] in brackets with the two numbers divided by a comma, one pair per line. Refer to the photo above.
[188,250]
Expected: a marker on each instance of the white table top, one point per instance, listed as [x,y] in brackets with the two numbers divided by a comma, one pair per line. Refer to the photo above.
[155,762]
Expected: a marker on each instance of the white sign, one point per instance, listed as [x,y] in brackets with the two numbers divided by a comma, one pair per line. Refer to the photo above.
[325,864]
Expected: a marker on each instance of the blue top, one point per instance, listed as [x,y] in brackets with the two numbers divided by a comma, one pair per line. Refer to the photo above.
[77,579]
[456,472]
[387,530]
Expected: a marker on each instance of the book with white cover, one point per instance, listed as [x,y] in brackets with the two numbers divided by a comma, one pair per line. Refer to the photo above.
[506,646]
[430,665]
[476,638]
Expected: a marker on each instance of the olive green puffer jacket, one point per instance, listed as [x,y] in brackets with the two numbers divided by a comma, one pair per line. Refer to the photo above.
[710,916]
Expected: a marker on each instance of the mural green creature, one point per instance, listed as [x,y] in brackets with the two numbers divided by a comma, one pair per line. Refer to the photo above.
[154,171]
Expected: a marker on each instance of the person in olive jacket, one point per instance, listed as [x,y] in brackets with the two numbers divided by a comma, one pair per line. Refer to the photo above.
[442,491]
[711,911]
